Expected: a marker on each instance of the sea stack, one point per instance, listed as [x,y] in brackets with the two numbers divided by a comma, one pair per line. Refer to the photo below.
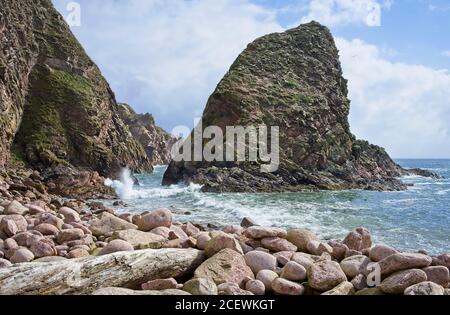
[293,80]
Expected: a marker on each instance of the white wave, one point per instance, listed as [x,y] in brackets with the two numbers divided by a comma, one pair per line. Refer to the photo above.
[124,187]
[443,192]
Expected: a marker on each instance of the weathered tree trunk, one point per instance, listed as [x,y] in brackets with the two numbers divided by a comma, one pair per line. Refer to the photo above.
[85,275]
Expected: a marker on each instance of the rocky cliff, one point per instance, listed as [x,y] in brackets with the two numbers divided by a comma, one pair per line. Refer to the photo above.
[156,142]
[292,80]
[56,109]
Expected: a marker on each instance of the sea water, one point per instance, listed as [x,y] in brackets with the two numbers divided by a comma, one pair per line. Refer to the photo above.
[418,218]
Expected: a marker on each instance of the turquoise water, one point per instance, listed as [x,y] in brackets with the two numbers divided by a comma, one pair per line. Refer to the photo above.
[418,218]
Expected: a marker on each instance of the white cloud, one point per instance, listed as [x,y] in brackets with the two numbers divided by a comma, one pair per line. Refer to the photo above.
[405,108]
[344,12]
[446,53]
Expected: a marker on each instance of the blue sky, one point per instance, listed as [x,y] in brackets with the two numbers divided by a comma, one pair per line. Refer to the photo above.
[166,57]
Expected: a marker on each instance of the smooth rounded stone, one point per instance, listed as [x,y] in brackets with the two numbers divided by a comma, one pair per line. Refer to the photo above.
[403,261]
[339,249]
[226,266]
[283,257]
[301,238]
[139,239]
[359,282]
[190,229]
[233,229]
[256,287]
[201,286]
[262,249]
[70,215]
[50,219]
[35,210]
[318,248]
[358,239]
[81,225]
[49,259]
[43,248]
[325,275]
[425,288]
[203,239]
[399,281]
[231,289]
[10,243]
[380,252]
[352,252]
[69,235]
[161,231]
[22,255]
[285,287]
[47,229]
[5,263]
[442,260]
[78,253]
[125,292]
[216,244]
[370,291]
[277,244]
[15,207]
[67,226]
[267,277]
[306,260]
[160,284]
[293,271]
[248,222]
[109,223]
[127,217]
[345,288]
[438,274]
[355,265]
[116,246]
[259,232]
[13,224]
[258,261]
[154,219]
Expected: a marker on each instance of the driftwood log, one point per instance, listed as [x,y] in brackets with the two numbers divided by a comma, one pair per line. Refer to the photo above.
[85,275]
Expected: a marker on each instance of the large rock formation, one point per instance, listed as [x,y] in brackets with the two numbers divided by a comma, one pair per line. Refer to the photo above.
[156,142]
[56,109]
[292,80]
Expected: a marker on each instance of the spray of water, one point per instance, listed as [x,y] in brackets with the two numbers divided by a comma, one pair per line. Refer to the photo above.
[125,186]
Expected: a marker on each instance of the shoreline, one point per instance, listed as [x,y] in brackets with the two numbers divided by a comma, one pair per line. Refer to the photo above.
[41,235]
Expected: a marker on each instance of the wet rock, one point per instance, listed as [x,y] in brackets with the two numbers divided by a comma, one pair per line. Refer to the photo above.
[425,288]
[160,284]
[226,266]
[116,246]
[293,271]
[403,261]
[277,244]
[301,238]
[267,277]
[258,261]
[201,286]
[399,281]
[248,222]
[286,287]
[345,288]
[358,239]
[380,252]
[325,275]
[258,232]
[216,244]
[139,239]
[339,249]
[442,260]
[318,248]
[154,219]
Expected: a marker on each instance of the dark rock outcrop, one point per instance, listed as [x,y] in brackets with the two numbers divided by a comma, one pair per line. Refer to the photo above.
[156,142]
[57,111]
[292,80]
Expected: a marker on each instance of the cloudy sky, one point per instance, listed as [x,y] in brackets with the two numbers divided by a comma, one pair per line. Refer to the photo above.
[167,56]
